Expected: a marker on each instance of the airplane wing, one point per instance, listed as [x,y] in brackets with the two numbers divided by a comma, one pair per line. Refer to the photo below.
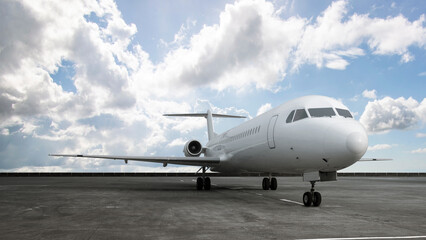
[192,161]
[374,159]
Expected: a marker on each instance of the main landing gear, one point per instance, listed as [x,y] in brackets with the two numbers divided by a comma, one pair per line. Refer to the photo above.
[269,183]
[204,182]
[312,197]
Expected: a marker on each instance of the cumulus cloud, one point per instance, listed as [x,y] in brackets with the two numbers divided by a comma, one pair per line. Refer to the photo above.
[420,150]
[407,57]
[388,113]
[93,37]
[5,131]
[27,62]
[421,135]
[332,41]
[251,45]
[177,142]
[181,37]
[369,94]
[379,147]
[264,108]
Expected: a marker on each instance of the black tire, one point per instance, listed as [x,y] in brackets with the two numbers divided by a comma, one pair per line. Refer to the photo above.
[207,183]
[200,183]
[265,184]
[307,199]
[274,184]
[316,201]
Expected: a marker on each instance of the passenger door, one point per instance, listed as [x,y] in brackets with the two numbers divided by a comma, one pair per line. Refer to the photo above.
[270,134]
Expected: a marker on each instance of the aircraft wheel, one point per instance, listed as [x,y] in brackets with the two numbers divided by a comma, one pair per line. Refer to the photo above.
[207,183]
[200,183]
[307,199]
[265,184]
[274,184]
[316,201]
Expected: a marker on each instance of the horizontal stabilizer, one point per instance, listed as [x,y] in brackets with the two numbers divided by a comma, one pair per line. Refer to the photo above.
[202,115]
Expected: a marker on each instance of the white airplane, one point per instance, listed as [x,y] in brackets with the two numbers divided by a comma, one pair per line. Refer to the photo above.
[314,136]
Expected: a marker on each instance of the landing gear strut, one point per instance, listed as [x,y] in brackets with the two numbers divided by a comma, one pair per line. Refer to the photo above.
[312,197]
[203,182]
[269,183]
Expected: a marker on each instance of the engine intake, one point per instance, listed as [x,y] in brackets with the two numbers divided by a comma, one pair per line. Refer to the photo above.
[193,148]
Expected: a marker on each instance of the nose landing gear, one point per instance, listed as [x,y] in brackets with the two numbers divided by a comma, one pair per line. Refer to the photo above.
[312,197]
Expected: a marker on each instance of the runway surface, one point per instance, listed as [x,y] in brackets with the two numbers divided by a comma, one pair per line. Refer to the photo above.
[235,208]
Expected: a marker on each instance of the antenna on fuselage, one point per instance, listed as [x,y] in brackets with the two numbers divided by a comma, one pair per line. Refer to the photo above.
[209,116]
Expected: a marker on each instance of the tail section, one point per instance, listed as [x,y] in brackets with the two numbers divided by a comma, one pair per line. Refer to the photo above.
[209,116]
[210,130]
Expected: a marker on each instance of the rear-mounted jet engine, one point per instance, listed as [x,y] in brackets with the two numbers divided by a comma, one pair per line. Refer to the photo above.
[193,148]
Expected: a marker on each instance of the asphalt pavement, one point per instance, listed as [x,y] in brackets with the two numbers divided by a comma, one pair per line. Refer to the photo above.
[235,208]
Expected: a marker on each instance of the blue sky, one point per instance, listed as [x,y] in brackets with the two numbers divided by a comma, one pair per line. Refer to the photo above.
[106,71]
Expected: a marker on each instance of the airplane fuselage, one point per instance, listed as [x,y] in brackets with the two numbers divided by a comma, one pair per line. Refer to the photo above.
[321,135]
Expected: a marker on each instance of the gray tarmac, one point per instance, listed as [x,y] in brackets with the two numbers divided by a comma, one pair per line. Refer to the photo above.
[235,208]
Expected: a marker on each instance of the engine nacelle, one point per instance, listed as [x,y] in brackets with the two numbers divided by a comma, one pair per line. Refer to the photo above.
[193,148]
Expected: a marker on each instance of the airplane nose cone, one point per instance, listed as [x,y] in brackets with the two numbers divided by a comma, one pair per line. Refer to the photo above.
[357,143]
[345,142]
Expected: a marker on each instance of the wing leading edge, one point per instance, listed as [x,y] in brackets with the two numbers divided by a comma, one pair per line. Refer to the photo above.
[191,161]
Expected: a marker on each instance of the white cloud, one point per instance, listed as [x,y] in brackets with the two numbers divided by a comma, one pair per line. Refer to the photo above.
[422,74]
[379,147]
[421,135]
[355,98]
[323,41]
[104,80]
[407,57]
[388,113]
[420,150]
[39,169]
[27,62]
[5,132]
[336,62]
[177,142]
[370,94]
[394,35]
[181,37]
[264,108]
[251,45]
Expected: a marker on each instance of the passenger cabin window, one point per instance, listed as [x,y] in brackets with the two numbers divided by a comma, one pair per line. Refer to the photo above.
[290,117]
[321,112]
[344,113]
[300,114]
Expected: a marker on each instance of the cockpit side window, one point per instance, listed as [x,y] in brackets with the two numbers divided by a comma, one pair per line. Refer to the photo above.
[344,113]
[321,112]
[300,114]
[290,117]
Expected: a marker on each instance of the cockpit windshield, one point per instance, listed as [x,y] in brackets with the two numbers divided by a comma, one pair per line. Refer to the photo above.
[321,112]
[290,117]
[300,114]
[344,113]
